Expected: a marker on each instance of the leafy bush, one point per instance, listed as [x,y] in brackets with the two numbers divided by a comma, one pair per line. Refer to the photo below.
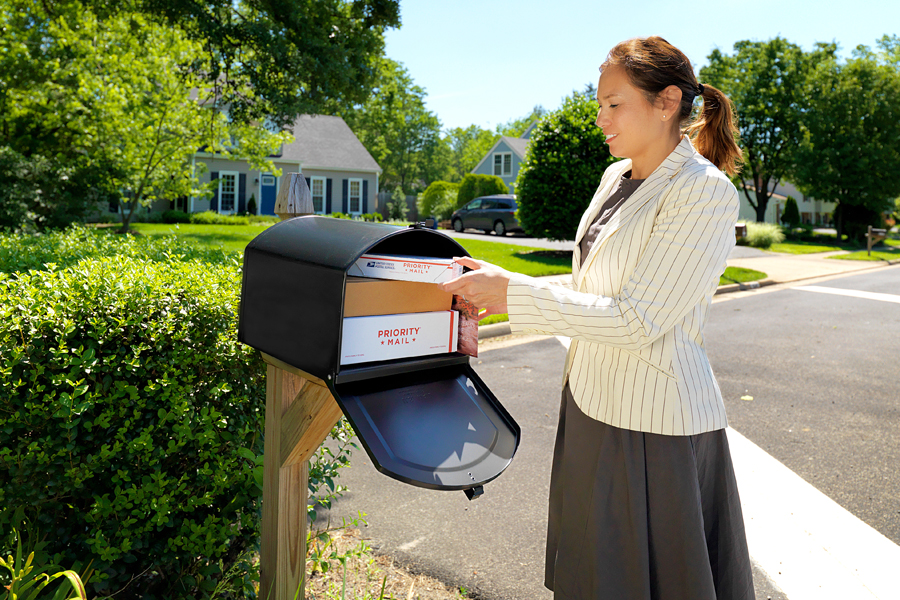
[439,200]
[251,205]
[340,215]
[212,218]
[397,208]
[763,235]
[24,252]
[373,217]
[475,185]
[562,169]
[254,219]
[791,215]
[130,421]
[176,216]
[856,219]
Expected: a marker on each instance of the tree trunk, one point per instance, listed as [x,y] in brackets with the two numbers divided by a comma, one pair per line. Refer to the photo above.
[762,202]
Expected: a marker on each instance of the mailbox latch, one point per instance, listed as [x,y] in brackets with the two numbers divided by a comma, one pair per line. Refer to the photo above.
[475,492]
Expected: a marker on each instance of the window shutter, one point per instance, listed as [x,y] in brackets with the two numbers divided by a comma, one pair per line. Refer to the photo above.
[345,206]
[365,196]
[242,193]
[328,187]
[214,203]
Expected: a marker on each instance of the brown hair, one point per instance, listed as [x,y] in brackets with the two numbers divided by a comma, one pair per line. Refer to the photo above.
[652,65]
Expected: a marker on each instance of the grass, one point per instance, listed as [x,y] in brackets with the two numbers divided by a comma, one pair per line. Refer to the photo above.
[804,247]
[229,237]
[535,262]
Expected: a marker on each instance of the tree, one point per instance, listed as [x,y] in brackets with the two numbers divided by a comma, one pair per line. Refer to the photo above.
[309,56]
[397,129]
[439,199]
[562,169]
[467,147]
[766,82]
[130,105]
[849,151]
[475,185]
[791,216]
[397,208]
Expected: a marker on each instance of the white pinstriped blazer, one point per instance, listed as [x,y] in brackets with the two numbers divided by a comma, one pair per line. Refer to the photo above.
[636,310]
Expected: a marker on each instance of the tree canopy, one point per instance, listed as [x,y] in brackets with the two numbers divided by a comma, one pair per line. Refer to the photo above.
[300,57]
[849,150]
[766,82]
[115,102]
[398,130]
[562,169]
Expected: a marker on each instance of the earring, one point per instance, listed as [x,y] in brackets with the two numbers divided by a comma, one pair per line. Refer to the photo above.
[664,116]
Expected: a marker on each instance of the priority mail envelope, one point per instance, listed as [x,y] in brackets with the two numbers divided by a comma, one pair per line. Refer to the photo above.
[406,268]
[383,337]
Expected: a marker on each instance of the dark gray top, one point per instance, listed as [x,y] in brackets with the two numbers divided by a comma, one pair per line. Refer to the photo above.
[623,191]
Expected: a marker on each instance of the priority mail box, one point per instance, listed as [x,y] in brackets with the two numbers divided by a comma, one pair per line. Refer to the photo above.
[366,296]
[406,268]
[386,337]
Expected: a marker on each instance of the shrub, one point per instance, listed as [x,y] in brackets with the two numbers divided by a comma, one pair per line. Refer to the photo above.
[212,218]
[130,420]
[763,235]
[439,200]
[373,217]
[251,205]
[340,215]
[397,208]
[176,216]
[475,185]
[791,215]
[562,169]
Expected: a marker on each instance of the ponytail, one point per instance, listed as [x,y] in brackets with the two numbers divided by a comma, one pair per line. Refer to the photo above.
[713,131]
[652,65]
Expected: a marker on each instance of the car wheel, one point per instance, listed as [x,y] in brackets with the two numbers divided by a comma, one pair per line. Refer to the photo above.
[499,228]
[458,225]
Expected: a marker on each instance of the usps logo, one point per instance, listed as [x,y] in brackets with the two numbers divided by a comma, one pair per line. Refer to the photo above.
[370,264]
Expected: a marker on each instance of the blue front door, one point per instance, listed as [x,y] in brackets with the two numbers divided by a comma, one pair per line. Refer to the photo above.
[267,192]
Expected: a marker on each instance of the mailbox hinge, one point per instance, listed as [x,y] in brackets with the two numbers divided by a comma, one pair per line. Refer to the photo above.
[475,492]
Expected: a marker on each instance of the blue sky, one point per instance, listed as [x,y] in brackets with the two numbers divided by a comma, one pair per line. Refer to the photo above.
[484,62]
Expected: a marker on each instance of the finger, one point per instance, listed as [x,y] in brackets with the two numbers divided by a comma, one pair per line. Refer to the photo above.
[470,262]
[455,286]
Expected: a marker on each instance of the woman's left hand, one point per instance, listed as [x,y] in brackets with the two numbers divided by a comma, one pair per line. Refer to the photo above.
[484,286]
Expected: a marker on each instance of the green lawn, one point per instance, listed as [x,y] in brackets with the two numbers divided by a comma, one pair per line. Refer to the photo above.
[804,247]
[230,237]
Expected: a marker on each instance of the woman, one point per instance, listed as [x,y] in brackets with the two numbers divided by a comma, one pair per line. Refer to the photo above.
[643,500]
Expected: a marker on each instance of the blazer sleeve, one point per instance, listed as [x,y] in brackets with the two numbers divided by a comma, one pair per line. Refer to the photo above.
[682,261]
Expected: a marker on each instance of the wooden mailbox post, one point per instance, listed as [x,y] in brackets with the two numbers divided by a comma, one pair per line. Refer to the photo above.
[300,412]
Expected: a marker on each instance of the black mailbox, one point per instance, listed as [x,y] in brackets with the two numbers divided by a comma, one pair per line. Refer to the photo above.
[429,421]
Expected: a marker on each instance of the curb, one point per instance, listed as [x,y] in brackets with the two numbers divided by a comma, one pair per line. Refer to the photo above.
[750,285]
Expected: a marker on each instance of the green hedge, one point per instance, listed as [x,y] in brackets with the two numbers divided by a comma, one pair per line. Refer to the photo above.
[475,185]
[438,200]
[131,420]
[213,218]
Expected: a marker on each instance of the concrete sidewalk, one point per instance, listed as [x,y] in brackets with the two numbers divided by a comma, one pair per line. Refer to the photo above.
[779,268]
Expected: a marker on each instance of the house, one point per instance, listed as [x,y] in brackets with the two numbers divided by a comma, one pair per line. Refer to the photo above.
[812,211]
[341,174]
[504,159]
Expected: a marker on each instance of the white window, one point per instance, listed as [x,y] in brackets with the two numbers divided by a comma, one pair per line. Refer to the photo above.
[268,180]
[227,192]
[355,196]
[503,164]
[317,187]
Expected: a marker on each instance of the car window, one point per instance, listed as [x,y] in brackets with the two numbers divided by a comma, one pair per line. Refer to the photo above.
[505,204]
[486,204]
[474,204]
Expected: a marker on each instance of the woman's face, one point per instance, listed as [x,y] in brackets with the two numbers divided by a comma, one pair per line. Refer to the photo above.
[631,124]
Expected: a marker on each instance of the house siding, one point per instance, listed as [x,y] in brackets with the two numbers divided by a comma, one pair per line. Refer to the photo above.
[812,211]
[487,166]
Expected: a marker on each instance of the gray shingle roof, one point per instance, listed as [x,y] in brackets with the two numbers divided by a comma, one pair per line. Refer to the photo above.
[328,143]
[517,145]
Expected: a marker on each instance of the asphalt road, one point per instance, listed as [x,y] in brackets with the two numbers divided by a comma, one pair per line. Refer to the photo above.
[822,372]
[825,403]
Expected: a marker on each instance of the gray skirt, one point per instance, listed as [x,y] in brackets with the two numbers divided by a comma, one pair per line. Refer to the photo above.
[643,516]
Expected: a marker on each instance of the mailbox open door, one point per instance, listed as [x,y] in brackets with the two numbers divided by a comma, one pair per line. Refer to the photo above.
[429,421]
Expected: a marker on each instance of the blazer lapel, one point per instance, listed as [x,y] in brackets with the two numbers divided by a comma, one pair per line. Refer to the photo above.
[593,208]
[652,187]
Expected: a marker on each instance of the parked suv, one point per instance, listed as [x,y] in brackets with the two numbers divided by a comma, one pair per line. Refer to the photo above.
[488,213]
